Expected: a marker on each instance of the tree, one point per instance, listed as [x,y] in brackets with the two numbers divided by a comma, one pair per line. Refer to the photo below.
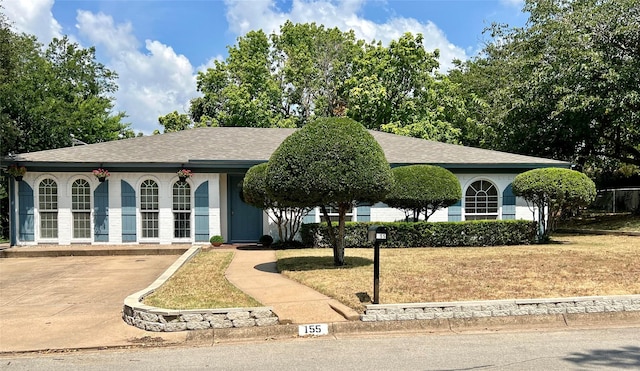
[565,85]
[551,191]
[423,189]
[49,97]
[281,80]
[329,162]
[175,121]
[287,218]
[307,71]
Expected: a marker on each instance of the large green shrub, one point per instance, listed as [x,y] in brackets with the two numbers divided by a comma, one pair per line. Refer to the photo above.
[287,218]
[423,189]
[552,190]
[331,161]
[426,234]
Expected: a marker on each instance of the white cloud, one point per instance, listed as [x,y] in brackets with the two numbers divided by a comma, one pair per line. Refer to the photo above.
[151,83]
[513,3]
[263,14]
[100,28]
[33,17]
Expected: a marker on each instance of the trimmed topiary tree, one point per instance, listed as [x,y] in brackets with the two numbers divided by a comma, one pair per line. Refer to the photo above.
[330,162]
[552,190]
[287,218]
[423,189]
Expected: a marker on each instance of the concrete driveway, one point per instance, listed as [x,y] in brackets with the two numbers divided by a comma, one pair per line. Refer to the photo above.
[74,302]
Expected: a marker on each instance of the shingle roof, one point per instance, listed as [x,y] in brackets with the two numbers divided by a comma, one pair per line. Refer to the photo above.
[242,144]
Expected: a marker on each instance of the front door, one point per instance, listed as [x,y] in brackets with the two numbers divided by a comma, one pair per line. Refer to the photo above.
[245,221]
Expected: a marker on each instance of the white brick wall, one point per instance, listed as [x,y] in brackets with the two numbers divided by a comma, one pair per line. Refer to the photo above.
[165,183]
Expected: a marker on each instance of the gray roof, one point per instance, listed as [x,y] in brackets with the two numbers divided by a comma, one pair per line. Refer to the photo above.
[236,145]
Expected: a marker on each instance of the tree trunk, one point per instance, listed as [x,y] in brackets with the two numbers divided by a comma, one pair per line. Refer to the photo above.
[332,234]
[338,257]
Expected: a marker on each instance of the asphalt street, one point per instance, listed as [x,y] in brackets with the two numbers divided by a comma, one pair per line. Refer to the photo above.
[575,349]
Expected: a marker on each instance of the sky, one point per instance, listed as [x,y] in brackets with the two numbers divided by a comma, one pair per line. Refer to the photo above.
[157,47]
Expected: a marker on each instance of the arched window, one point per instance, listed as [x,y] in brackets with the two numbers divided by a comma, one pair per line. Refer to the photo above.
[149,209]
[81,208]
[481,201]
[48,208]
[181,209]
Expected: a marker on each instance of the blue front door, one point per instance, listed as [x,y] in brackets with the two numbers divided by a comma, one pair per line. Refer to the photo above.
[245,221]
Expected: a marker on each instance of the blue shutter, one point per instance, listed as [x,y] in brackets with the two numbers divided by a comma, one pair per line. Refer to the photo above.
[128,197]
[202,212]
[364,213]
[310,217]
[101,213]
[25,212]
[455,212]
[508,204]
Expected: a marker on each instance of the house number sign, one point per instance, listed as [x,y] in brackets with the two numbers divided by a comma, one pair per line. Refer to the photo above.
[314,329]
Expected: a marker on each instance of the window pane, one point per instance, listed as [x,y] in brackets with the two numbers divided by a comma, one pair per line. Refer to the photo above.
[481,201]
[81,225]
[49,224]
[149,224]
[181,210]
[80,195]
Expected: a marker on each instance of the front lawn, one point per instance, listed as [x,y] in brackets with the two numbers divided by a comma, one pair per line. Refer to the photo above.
[570,266]
[201,284]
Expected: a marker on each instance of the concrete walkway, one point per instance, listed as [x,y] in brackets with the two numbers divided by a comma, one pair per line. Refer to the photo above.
[254,272]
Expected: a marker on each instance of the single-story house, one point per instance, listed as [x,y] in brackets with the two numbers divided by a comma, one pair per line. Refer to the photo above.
[60,201]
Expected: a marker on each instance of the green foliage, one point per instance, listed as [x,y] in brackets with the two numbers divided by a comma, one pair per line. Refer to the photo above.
[423,189]
[331,161]
[565,85]
[216,239]
[287,217]
[254,188]
[556,189]
[175,121]
[426,234]
[50,97]
[306,71]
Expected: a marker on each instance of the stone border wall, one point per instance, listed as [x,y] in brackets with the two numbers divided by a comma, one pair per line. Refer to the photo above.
[500,308]
[150,318]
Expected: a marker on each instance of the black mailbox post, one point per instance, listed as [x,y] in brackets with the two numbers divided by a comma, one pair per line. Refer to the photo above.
[377,235]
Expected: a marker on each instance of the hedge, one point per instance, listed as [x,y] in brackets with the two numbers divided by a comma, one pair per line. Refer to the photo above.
[427,234]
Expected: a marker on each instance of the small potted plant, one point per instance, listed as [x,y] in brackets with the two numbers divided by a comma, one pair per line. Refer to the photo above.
[266,240]
[216,240]
[101,174]
[183,174]
[17,171]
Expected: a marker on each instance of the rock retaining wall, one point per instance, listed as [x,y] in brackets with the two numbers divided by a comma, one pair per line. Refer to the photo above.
[156,319]
[149,318]
[500,308]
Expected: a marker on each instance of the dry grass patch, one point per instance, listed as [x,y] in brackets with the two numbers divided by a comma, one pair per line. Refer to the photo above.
[625,222]
[200,284]
[571,266]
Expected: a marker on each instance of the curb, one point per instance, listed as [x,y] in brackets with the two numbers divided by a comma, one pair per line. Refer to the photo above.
[438,326]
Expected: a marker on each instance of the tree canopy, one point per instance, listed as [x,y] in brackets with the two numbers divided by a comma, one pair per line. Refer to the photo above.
[50,96]
[329,162]
[287,218]
[551,191]
[307,71]
[565,85]
[423,189]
